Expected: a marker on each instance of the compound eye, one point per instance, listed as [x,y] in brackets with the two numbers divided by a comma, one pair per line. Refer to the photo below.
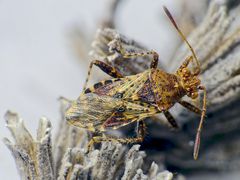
[194,95]
[121,109]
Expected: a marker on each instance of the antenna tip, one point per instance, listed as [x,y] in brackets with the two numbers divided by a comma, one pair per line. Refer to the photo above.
[196,146]
[165,9]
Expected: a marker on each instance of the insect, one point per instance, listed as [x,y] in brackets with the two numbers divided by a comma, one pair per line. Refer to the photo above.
[111,104]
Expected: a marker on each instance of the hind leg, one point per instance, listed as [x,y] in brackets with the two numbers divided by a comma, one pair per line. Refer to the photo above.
[141,131]
[111,71]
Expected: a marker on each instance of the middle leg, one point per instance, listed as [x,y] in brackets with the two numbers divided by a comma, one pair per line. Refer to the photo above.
[133,54]
[171,119]
[154,62]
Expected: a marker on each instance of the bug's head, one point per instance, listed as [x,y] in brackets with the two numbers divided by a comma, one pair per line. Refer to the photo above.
[189,81]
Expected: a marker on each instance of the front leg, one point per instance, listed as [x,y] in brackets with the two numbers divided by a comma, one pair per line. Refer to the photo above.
[185,63]
[190,107]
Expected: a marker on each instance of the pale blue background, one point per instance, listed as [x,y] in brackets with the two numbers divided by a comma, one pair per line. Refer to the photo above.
[37,63]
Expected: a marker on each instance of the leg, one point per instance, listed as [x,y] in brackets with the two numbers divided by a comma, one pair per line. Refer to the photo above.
[197,140]
[111,71]
[155,55]
[190,107]
[171,119]
[141,131]
[185,63]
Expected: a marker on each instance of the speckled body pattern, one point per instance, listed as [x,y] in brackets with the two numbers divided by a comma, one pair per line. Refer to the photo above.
[99,113]
[117,102]
[153,86]
[141,96]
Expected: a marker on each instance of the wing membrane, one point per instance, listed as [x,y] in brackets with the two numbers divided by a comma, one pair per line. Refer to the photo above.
[90,110]
[97,113]
[131,85]
[128,86]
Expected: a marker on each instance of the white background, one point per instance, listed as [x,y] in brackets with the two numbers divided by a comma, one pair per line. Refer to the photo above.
[37,63]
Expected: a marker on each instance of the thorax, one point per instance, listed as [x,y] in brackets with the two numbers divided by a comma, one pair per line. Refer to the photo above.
[153,86]
[166,88]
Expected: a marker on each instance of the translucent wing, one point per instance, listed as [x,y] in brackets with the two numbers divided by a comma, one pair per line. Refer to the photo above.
[130,112]
[91,110]
[127,86]
[98,113]
[131,85]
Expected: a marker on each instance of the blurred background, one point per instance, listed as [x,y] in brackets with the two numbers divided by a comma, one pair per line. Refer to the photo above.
[41,57]
[38,62]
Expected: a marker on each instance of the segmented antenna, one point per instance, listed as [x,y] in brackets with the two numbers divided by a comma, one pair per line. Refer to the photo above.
[198,136]
[183,38]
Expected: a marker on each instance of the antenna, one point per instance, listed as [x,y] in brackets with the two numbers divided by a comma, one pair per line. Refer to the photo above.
[183,37]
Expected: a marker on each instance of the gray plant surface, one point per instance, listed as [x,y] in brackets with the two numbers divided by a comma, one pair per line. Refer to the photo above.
[215,37]
[66,157]
[107,45]
[216,41]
